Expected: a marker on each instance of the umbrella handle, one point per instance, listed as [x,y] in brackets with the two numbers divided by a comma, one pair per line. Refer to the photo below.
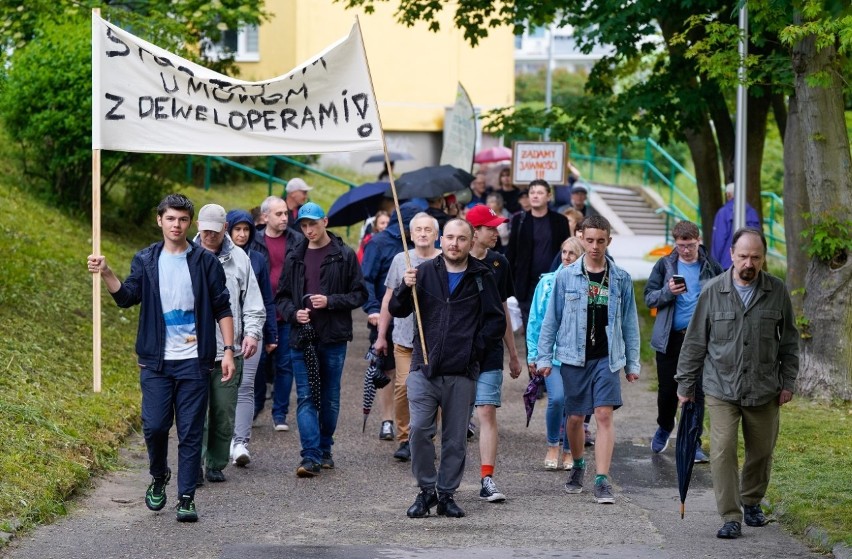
[682,507]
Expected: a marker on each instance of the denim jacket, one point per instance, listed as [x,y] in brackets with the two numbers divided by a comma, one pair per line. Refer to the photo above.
[537,309]
[565,320]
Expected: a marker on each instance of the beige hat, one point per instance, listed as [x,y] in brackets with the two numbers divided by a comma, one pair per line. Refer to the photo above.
[212,218]
[294,185]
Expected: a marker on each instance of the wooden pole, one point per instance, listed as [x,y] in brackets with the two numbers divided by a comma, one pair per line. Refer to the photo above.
[395,200]
[96,278]
[96,212]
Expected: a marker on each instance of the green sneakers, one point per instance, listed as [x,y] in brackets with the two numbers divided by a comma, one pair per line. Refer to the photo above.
[155,497]
[186,509]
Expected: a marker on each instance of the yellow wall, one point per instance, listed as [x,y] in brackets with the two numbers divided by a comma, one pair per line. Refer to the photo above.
[414,70]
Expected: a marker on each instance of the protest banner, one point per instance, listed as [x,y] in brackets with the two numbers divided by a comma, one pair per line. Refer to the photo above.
[460,131]
[147,99]
[538,160]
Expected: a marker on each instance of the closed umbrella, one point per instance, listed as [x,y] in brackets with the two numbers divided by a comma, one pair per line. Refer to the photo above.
[374,378]
[531,395]
[357,204]
[432,182]
[306,341]
[688,434]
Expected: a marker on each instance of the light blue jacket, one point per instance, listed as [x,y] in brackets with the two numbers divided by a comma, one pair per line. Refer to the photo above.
[540,299]
[565,320]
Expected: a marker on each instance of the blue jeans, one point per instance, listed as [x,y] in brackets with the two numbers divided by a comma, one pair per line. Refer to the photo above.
[283,383]
[316,427]
[176,393]
[554,418]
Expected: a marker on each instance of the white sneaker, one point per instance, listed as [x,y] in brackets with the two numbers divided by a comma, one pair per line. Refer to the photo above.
[241,455]
[231,454]
[281,426]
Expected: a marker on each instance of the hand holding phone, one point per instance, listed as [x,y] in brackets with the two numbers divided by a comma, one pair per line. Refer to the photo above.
[679,281]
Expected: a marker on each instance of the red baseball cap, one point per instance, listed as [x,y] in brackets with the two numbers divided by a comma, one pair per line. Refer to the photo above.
[481,215]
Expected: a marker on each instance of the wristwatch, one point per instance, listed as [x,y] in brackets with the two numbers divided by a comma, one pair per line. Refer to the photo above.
[227,347]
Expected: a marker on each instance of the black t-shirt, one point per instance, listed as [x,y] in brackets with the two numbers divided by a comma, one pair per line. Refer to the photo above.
[542,248]
[506,288]
[597,316]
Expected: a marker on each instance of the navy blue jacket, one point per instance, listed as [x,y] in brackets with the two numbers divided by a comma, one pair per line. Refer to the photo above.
[142,287]
[379,254]
[261,272]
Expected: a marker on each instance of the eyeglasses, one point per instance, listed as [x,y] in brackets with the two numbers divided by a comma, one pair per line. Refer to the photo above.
[686,246]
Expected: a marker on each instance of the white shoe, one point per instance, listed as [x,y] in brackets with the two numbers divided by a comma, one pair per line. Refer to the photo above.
[282,426]
[231,454]
[241,455]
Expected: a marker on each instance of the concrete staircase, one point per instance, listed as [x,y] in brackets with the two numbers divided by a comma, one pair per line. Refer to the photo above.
[630,210]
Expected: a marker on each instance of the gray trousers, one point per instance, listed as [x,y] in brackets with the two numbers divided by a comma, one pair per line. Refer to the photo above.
[454,395]
[760,432]
[245,400]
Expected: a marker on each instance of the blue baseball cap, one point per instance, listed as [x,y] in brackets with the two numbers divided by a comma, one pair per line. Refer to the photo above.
[310,211]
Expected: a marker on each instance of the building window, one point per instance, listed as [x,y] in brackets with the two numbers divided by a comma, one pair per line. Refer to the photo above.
[244,43]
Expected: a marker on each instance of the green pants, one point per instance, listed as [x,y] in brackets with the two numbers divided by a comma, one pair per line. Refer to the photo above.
[219,425]
[760,431]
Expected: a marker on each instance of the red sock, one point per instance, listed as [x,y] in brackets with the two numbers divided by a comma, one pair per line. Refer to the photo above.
[487,470]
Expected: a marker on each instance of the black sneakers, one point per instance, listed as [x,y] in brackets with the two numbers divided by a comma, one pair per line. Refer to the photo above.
[448,507]
[327,462]
[754,516]
[155,497]
[489,491]
[308,468]
[730,531]
[215,476]
[426,499]
[186,509]
[403,453]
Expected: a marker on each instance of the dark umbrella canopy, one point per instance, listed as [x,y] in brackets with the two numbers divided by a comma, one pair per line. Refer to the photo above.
[357,204]
[531,395]
[688,434]
[392,155]
[432,182]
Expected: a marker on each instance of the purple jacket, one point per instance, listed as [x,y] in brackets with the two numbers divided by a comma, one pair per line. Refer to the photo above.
[723,232]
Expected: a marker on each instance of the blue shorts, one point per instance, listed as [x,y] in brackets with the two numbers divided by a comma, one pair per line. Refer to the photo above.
[488,388]
[591,386]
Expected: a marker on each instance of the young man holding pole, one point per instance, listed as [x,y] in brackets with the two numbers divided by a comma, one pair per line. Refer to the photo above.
[182,292]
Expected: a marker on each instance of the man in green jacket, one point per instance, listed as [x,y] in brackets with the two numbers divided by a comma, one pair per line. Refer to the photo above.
[743,335]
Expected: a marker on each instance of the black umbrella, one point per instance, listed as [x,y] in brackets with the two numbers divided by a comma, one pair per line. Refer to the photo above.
[392,155]
[531,395]
[357,204]
[374,378]
[688,434]
[432,182]
[307,342]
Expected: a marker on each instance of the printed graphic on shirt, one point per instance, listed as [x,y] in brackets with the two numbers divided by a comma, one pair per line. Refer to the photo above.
[178,303]
[598,294]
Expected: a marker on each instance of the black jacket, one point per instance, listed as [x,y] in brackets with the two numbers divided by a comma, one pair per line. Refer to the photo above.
[258,241]
[142,286]
[340,280]
[521,247]
[457,327]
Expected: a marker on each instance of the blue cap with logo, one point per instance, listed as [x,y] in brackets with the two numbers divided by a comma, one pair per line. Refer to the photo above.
[310,211]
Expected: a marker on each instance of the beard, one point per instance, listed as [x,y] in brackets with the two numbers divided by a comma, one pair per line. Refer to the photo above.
[456,261]
[747,274]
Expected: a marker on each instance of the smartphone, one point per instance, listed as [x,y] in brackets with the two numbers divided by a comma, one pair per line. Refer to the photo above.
[679,280]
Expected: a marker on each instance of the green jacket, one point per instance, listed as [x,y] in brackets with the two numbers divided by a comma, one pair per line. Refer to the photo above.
[748,355]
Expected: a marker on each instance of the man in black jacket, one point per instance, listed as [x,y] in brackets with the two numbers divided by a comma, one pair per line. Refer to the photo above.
[536,238]
[320,285]
[462,314]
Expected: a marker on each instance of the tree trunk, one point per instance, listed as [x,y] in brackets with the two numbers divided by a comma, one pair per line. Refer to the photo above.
[724,127]
[826,356]
[795,205]
[757,117]
[705,157]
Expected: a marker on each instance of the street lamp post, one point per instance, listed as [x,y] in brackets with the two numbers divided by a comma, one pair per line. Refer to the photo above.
[742,112]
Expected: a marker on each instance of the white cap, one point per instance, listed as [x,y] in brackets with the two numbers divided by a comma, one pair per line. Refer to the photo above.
[212,218]
[729,188]
[294,185]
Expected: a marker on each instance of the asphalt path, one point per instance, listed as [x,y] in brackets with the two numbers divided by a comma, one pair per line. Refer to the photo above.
[357,510]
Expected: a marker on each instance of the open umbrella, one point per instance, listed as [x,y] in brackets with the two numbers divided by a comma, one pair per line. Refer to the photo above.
[392,155]
[493,155]
[357,204]
[432,182]
[531,395]
[374,378]
[688,433]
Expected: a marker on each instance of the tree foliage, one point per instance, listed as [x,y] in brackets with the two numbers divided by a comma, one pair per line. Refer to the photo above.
[45,89]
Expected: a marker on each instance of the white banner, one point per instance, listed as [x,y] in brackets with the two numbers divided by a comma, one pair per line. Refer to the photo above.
[460,131]
[146,99]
